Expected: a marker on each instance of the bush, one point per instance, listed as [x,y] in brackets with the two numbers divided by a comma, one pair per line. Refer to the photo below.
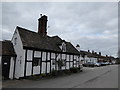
[74,70]
[43,75]
[67,71]
[54,72]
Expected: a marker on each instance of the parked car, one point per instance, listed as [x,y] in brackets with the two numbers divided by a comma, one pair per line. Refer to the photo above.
[89,64]
[97,64]
[107,63]
[102,63]
[110,63]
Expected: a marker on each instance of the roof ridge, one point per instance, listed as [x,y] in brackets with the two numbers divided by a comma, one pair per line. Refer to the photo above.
[21,28]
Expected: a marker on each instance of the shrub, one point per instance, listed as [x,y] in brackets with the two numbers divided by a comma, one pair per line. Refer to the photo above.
[43,75]
[67,71]
[74,70]
[54,72]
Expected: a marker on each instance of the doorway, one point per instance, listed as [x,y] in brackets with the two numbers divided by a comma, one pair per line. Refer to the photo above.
[5,66]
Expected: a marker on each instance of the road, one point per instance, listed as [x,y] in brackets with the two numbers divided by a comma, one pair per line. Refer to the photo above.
[97,77]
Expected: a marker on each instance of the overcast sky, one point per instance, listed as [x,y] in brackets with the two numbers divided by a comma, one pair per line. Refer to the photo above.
[92,25]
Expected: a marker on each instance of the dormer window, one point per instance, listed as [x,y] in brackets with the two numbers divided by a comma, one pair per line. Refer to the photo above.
[63,46]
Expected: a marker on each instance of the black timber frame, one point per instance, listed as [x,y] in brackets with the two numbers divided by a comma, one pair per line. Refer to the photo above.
[32,61]
[25,63]
[48,61]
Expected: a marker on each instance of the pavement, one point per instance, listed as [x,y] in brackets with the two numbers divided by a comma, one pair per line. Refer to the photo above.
[97,77]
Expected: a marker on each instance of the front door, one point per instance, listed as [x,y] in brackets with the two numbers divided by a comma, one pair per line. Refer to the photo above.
[6,66]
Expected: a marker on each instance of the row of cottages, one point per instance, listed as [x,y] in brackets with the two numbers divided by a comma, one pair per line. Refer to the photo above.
[36,52]
[87,56]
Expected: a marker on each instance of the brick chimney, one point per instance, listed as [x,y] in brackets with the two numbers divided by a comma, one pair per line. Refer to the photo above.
[42,25]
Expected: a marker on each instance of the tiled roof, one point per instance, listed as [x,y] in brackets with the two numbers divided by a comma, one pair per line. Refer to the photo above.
[34,40]
[89,54]
[7,48]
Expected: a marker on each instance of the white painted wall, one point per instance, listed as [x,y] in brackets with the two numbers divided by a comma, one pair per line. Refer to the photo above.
[88,59]
[20,60]
[43,67]
[36,70]
[29,55]
[37,54]
[28,68]
[11,68]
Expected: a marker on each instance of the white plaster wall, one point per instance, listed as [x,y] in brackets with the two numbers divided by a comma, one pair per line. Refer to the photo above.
[28,68]
[71,64]
[52,55]
[52,66]
[36,70]
[48,57]
[11,68]
[29,55]
[43,67]
[48,67]
[44,56]
[67,65]
[67,58]
[19,67]
[71,57]
[37,54]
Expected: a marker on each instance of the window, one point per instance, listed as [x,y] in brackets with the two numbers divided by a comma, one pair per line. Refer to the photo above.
[15,41]
[63,62]
[53,62]
[63,47]
[36,61]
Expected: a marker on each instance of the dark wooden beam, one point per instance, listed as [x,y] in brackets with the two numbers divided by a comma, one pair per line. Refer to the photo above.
[25,63]
[32,62]
[41,63]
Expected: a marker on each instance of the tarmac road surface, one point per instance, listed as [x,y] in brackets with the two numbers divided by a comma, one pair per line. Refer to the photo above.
[97,77]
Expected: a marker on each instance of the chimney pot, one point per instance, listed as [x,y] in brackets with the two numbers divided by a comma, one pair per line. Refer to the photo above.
[42,25]
[88,50]
[78,47]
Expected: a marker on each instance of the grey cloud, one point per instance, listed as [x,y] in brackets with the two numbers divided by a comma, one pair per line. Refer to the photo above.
[92,25]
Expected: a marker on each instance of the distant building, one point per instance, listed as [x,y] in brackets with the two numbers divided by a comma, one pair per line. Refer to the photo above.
[87,56]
